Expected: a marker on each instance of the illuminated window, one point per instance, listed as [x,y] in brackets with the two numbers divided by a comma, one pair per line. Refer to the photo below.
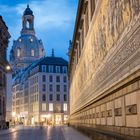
[20,40]
[32,53]
[31,40]
[50,106]
[43,106]
[65,107]
[18,52]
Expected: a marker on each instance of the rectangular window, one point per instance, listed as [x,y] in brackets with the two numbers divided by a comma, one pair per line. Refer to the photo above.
[65,88]
[58,88]
[44,78]
[64,69]
[43,97]
[43,68]
[50,68]
[50,106]
[32,53]
[57,69]
[57,97]
[65,79]
[51,88]
[43,87]
[43,106]
[51,97]
[65,108]
[57,78]
[65,97]
[50,78]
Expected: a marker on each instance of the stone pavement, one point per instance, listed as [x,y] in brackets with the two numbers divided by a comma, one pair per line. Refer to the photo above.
[46,133]
[72,134]
[11,130]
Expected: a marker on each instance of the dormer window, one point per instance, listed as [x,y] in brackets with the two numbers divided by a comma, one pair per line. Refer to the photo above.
[20,40]
[51,68]
[31,39]
[57,69]
[32,53]
[18,53]
[64,69]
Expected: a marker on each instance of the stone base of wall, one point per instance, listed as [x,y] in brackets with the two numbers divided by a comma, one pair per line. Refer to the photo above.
[97,134]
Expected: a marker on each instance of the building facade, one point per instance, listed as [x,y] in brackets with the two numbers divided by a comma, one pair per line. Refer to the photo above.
[104,69]
[27,48]
[4,36]
[41,93]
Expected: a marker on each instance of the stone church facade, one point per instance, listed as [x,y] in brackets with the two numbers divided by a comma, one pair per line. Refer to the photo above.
[27,48]
[104,69]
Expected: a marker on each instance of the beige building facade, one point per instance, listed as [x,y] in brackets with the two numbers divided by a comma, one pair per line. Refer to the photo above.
[41,93]
[104,69]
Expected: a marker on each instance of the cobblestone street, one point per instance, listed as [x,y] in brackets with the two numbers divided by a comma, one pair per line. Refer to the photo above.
[34,133]
[45,133]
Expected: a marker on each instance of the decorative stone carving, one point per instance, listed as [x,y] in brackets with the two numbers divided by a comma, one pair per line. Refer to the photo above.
[104,42]
[103,113]
[109,113]
[118,112]
[131,110]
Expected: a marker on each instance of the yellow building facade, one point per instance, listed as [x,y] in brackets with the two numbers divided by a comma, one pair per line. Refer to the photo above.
[104,69]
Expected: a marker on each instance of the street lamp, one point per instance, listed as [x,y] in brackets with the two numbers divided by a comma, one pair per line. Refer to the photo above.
[8,67]
[13,114]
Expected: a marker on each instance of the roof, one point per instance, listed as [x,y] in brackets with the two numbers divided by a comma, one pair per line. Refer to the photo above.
[28,11]
[3,22]
[53,61]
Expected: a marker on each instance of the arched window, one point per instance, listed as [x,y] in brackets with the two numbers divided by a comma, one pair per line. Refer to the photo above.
[18,52]
[27,24]
[32,53]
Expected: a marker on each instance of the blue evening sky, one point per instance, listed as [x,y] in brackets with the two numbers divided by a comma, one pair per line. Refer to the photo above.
[54,22]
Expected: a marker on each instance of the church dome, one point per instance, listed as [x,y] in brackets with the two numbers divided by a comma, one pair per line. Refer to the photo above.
[27,48]
[28,11]
[28,43]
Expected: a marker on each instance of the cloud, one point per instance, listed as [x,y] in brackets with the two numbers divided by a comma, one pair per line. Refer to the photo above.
[50,14]
[53,18]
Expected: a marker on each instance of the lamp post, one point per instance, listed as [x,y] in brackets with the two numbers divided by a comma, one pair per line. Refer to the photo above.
[8,68]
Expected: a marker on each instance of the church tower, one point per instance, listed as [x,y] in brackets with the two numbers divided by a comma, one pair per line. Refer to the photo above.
[27,48]
[28,22]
